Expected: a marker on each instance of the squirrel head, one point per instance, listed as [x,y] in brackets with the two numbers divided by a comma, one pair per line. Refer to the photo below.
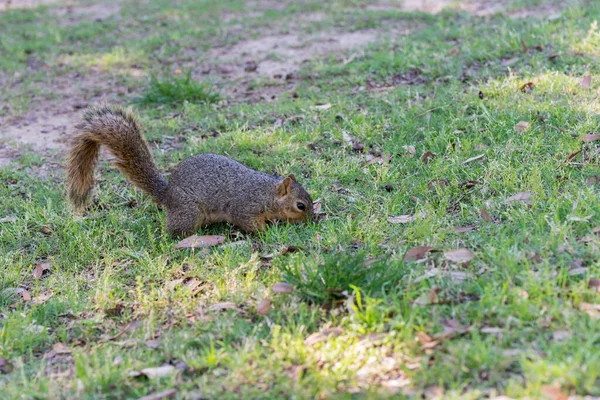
[294,203]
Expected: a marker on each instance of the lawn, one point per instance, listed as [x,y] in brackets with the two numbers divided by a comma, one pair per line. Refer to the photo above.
[455,159]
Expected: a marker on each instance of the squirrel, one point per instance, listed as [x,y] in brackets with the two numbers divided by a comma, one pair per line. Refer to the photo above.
[203,189]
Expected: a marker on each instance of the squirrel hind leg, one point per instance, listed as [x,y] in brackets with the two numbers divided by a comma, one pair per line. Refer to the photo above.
[183,221]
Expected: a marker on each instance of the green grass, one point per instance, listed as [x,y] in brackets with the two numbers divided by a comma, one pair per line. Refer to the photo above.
[175,90]
[361,321]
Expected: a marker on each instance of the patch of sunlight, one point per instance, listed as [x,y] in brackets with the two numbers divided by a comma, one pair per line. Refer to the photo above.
[118,58]
[591,43]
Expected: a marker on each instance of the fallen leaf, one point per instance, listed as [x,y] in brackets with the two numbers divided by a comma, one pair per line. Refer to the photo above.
[44,297]
[25,295]
[463,229]
[573,155]
[485,215]
[474,158]
[429,274]
[402,219]
[594,284]
[282,288]
[491,329]
[5,366]
[561,335]
[458,276]
[578,271]
[322,107]
[459,255]
[264,306]
[522,126]
[46,231]
[433,294]
[384,158]
[525,48]
[592,180]
[8,219]
[585,81]
[522,197]
[195,242]
[591,137]
[226,305]
[427,157]
[250,66]
[410,150]
[593,310]
[289,249]
[153,344]
[39,270]
[417,253]
[527,87]
[353,142]
[165,394]
[554,393]
[156,372]
[436,183]
[322,336]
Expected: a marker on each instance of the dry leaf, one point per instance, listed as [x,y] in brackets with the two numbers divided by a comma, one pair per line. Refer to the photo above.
[463,229]
[264,306]
[353,142]
[433,294]
[289,249]
[491,329]
[522,197]
[165,394]
[485,215]
[561,335]
[436,182]
[573,155]
[282,288]
[153,344]
[554,393]
[8,219]
[410,150]
[25,295]
[195,242]
[522,126]
[593,310]
[44,297]
[322,336]
[5,366]
[578,271]
[459,255]
[61,348]
[402,219]
[384,158]
[585,81]
[474,158]
[226,305]
[458,276]
[322,107]
[417,253]
[592,180]
[527,87]
[39,270]
[591,137]
[594,284]
[157,372]
[427,157]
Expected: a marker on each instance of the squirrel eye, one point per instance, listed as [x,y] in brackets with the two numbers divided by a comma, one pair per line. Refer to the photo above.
[300,206]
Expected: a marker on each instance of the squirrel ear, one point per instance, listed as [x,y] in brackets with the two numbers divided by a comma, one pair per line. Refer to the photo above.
[292,177]
[285,187]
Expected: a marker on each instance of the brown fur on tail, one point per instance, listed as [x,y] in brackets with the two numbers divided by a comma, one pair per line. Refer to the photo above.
[119,130]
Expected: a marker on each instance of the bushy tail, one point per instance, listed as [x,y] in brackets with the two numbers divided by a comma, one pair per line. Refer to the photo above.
[119,130]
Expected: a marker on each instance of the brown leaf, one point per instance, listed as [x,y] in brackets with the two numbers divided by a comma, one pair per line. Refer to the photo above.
[417,253]
[573,155]
[44,297]
[592,180]
[428,156]
[289,249]
[527,87]
[61,348]
[479,157]
[39,270]
[402,219]
[554,393]
[384,158]
[593,310]
[226,305]
[459,255]
[165,394]
[522,126]
[282,287]
[591,137]
[410,150]
[195,242]
[322,336]
[522,197]
[585,81]
[5,366]
[433,294]
[463,229]
[485,215]
[525,48]
[46,231]
[594,284]
[353,142]
[264,306]
[25,295]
